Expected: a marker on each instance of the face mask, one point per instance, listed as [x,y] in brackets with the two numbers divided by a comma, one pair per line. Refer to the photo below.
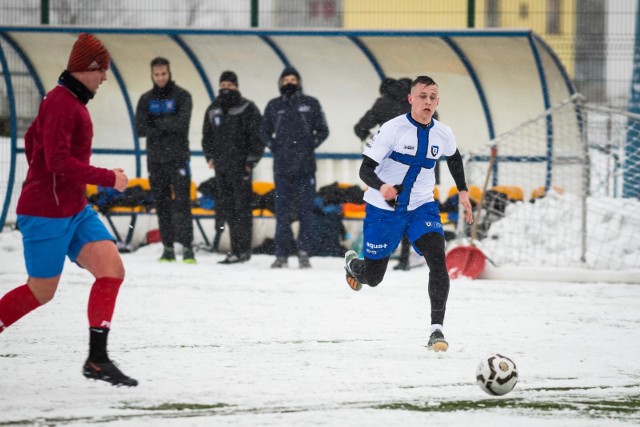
[289,89]
[228,97]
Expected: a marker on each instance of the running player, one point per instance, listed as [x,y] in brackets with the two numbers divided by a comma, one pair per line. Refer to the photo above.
[53,214]
[398,167]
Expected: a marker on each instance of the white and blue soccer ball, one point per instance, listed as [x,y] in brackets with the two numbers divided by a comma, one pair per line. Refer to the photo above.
[496,374]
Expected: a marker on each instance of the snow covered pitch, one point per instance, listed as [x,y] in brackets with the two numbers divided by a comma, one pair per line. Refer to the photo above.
[246,345]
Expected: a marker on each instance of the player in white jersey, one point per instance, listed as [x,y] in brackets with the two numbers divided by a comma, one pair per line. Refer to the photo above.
[398,167]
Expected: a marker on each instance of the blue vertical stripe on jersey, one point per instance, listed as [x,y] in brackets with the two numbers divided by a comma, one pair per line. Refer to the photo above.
[416,163]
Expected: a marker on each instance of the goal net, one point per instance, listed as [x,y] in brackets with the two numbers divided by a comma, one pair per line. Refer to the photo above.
[563,190]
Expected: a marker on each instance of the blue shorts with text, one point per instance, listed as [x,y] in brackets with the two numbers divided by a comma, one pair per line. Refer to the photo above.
[383,229]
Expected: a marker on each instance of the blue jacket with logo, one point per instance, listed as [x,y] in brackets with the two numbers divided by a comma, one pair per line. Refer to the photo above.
[293,127]
[163,116]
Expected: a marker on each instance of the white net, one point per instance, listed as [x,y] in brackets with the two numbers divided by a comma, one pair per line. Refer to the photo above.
[564,190]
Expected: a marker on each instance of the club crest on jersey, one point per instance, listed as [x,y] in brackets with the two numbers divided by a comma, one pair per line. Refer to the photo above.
[434,150]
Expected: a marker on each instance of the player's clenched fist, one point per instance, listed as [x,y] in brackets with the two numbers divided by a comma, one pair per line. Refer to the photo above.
[121,179]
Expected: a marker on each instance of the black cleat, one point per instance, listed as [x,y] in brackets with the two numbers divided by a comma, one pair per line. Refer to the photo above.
[437,342]
[280,262]
[107,371]
[303,259]
[168,255]
[235,259]
[188,257]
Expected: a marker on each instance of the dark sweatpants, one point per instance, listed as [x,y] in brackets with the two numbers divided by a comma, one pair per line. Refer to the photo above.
[298,191]
[233,205]
[174,216]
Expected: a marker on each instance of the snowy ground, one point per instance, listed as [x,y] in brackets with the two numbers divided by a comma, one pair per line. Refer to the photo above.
[247,345]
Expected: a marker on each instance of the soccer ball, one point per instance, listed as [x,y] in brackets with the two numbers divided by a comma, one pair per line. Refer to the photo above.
[497,374]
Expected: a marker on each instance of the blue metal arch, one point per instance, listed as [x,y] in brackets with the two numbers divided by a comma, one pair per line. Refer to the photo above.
[132,117]
[565,76]
[197,64]
[480,91]
[369,55]
[27,63]
[269,41]
[547,105]
[557,62]
[476,83]
[268,33]
[14,136]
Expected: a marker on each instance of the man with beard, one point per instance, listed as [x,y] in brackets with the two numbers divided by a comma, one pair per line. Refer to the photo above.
[163,115]
[232,147]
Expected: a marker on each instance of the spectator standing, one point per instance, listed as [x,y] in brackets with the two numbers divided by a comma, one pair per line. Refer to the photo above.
[162,116]
[391,103]
[53,215]
[398,166]
[293,126]
[232,147]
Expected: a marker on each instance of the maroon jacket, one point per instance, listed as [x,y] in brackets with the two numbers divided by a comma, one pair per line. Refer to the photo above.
[58,149]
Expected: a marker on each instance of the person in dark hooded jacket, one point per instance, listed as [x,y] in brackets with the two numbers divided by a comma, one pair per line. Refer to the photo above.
[293,126]
[231,144]
[391,103]
[162,116]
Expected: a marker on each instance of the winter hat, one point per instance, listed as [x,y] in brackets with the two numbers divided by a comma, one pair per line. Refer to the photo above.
[288,72]
[88,54]
[229,76]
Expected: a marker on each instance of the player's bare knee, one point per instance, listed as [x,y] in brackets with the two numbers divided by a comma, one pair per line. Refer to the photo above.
[119,272]
[44,294]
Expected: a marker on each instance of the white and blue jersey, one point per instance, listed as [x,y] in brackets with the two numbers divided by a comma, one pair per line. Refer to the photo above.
[406,153]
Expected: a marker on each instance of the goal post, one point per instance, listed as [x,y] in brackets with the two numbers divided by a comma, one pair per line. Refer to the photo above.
[563,192]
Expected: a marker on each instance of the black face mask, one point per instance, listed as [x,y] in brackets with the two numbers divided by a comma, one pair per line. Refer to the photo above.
[228,97]
[289,89]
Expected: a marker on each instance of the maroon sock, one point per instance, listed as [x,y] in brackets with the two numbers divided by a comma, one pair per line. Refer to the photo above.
[15,304]
[102,301]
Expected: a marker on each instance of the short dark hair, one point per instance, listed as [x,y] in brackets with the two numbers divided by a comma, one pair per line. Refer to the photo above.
[160,61]
[425,80]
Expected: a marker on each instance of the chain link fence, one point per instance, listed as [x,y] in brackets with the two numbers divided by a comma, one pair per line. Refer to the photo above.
[593,38]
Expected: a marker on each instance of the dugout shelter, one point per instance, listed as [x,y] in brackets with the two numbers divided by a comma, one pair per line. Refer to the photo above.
[490,81]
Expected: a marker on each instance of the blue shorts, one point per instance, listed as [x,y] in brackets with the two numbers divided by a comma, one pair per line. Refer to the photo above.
[383,229]
[46,241]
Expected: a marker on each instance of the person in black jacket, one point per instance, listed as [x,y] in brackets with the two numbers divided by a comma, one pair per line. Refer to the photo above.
[391,103]
[232,147]
[293,126]
[162,116]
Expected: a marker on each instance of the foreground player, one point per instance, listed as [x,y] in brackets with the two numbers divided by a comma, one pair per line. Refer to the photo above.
[398,167]
[53,214]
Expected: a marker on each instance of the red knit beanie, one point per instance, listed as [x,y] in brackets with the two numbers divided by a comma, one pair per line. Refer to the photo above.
[88,54]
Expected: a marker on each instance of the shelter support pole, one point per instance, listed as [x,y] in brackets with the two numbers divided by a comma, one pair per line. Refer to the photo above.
[44,11]
[631,169]
[254,13]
